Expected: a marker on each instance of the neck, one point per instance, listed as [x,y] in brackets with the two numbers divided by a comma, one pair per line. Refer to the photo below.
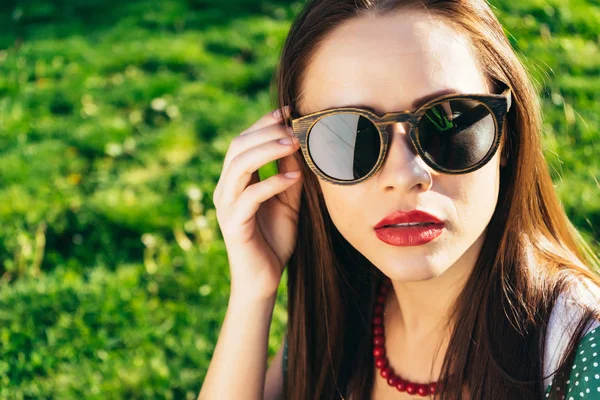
[421,310]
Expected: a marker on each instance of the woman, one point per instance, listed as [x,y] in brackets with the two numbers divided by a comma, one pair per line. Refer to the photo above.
[402,113]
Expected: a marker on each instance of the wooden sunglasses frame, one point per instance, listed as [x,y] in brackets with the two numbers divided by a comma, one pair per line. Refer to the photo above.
[497,104]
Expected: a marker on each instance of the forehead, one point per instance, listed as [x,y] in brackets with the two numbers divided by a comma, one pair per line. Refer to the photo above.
[388,61]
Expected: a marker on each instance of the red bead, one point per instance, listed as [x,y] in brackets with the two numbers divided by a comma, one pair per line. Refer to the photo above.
[386,372]
[401,386]
[393,380]
[378,341]
[378,330]
[381,362]
[423,390]
[378,351]
[432,387]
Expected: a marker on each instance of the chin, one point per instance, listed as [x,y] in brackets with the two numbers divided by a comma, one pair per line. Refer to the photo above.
[404,273]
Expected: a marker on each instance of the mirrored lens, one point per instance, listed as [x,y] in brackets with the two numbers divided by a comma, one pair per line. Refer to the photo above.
[344,146]
[457,134]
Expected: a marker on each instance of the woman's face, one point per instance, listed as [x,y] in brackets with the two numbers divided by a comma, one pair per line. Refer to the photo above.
[386,63]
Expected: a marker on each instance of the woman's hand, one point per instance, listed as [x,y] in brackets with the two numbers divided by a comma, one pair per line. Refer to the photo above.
[259,219]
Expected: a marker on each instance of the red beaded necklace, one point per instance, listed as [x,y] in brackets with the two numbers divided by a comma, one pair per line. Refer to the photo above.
[381,361]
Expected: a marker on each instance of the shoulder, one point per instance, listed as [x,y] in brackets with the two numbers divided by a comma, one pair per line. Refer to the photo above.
[566,314]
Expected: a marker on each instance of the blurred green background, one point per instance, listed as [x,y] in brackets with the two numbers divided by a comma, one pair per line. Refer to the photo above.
[114,120]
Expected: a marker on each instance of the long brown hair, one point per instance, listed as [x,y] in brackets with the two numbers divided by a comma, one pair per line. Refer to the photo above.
[531,253]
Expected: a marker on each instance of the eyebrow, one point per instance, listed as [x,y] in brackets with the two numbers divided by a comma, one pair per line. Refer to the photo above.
[417,102]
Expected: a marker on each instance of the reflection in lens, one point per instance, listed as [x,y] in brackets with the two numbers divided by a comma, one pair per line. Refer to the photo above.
[457,134]
[344,146]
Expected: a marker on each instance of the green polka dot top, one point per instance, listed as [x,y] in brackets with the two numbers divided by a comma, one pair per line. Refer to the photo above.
[584,379]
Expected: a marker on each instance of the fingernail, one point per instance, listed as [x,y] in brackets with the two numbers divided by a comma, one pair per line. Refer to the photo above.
[287,140]
[277,115]
[292,174]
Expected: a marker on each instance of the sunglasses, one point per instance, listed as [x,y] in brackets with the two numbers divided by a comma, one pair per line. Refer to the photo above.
[453,134]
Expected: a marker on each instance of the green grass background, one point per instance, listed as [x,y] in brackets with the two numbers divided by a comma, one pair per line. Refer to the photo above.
[114,120]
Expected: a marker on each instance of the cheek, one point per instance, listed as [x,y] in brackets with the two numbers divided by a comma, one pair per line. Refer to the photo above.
[345,206]
[474,196]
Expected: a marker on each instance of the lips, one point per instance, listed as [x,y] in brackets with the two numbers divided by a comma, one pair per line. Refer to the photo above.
[409,235]
[401,217]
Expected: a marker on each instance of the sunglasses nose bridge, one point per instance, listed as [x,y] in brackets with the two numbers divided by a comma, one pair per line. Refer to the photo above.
[394,121]
[397,117]
[404,119]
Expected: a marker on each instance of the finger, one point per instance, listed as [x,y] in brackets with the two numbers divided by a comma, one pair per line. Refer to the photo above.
[291,196]
[243,166]
[251,198]
[240,144]
[274,117]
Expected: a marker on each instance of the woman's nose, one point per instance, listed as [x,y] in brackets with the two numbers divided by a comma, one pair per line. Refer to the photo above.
[403,169]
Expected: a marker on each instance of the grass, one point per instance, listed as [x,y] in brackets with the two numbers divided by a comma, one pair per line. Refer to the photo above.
[114,119]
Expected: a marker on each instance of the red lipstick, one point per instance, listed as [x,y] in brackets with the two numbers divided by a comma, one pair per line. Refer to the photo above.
[412,228]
